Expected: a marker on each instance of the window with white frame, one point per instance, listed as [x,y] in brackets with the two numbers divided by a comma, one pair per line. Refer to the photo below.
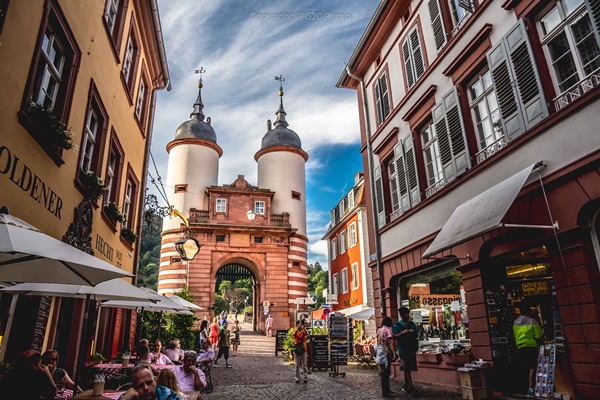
[344,280]
[128,59]
[333,219]
[431,155]
[352,235]
[335,288]
[414,66]
[141,100]
[334,253]
[342,208]
[54,61]
[485,113]
[461,10]
[259,207]
[382,102]
[221,205]
[127,199]
[111,13]
[342,241]
[351,200]
[569,41]
[355,279]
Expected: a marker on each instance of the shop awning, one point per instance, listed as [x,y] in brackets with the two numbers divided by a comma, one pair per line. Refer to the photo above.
[359,313]
[482,213]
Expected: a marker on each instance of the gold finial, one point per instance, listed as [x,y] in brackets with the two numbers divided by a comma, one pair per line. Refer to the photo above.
[281,79]
[200,71]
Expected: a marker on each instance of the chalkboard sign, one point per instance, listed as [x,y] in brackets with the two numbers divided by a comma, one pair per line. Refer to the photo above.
[39,330]
[319,347]
[280,335]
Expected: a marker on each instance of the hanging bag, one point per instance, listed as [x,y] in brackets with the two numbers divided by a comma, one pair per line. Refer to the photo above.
[299,348]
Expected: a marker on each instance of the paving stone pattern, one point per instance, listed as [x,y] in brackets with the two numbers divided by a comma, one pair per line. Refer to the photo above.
[257,374]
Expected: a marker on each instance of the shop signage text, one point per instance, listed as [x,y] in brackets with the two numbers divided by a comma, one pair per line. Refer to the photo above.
[21,175]
[429,300]
[352,301]
[107,250]
[535,288]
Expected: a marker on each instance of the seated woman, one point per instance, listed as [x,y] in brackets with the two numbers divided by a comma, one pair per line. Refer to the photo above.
[167,378]
[50,359]
[173,352]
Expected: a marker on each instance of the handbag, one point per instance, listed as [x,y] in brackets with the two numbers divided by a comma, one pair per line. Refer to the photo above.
[299,348]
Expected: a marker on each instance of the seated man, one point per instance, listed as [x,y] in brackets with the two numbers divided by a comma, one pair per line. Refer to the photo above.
[158,357]
[188,376]
[30,380]
[144,387]
[144,357]
[206,356]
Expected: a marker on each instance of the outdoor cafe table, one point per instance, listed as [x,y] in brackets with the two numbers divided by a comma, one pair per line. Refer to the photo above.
[115,394]
[110,370]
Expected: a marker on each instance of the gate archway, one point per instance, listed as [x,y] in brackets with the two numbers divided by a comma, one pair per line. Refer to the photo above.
[235,272]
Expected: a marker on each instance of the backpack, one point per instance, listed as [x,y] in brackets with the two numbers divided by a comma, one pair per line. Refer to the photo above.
[407,342]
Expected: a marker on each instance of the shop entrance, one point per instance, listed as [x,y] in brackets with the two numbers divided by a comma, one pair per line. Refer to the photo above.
[519,285]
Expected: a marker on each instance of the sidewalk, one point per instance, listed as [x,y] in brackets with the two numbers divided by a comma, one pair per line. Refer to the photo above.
[257,374]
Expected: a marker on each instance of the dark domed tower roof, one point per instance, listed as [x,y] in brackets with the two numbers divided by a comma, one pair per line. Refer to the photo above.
[196,127]
[281,135]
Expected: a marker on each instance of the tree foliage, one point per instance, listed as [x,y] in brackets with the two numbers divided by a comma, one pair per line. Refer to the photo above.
[149,254]
[318,279]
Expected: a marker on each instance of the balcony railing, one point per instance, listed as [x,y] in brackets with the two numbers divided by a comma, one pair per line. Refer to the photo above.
[203,217]
[396,214]
[199,216]
[490,150]
[281,220]
[436,187]
[577,90]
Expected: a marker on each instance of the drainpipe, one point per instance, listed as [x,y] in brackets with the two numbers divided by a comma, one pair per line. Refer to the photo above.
[372,189]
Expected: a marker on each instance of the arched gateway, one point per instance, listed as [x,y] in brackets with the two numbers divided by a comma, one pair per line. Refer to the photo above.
[233,273]
[260,228]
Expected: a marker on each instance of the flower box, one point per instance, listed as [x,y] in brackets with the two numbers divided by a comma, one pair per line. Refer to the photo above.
[128,235]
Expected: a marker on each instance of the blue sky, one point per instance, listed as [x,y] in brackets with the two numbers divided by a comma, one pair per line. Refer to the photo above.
[242,46]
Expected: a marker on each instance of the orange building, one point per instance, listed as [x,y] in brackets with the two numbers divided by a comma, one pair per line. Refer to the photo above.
[78,91]
[349,276]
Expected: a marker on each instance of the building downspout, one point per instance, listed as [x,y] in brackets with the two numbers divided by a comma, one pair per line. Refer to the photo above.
[371,189]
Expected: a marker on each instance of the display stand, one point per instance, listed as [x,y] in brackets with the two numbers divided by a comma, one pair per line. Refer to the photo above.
[319,347]
[338,343]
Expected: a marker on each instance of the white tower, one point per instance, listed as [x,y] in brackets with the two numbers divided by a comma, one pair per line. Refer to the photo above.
[281,169]
[193,163]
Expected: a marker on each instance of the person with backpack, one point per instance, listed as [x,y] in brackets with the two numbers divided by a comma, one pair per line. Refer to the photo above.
[385,355]
[406,333]
[300,356]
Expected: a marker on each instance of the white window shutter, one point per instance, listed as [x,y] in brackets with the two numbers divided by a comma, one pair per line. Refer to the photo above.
[450,131]
[437,24]
[408,67]
[403,195]
[593,7]
[411,171]
[379,201]
[415,44]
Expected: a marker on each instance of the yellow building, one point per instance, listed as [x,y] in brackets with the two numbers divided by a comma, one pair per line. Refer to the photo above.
[79,82]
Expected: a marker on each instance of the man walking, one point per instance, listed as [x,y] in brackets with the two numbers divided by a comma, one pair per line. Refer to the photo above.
[224,343]
[269,326]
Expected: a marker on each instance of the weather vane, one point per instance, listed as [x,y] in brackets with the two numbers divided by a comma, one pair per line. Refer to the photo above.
[200,71]
[281,79]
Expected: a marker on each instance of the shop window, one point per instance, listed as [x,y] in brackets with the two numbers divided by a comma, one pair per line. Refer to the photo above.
[344,281]
[221,205]
[114,168]
[130,200]
[412,55]
[570,45]
[431,157]
[352,235]
[259,207]
[114,20]
[437,303]
[486,115]
[355,280]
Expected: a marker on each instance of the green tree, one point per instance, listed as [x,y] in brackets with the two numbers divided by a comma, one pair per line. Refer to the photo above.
[220,304]
[149,254]
[318,279]
[224,286]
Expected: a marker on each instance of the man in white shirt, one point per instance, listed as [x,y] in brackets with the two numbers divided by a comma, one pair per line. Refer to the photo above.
[206,356]
[188,376]
[159,358]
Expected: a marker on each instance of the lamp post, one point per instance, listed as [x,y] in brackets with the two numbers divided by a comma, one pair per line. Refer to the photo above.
[251,215]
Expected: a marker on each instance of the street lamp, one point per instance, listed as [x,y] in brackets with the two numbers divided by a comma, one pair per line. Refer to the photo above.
[251,215]
[187,247]
[246,304]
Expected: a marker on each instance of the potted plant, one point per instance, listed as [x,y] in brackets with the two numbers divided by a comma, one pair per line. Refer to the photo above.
[55,131]
[128,235]
[96,358]
[92,183]
[113,213]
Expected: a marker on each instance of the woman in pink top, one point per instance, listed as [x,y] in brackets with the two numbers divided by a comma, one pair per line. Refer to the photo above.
[385,355]
[214,333]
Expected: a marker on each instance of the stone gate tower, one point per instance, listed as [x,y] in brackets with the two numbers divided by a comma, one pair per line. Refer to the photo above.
[270,248]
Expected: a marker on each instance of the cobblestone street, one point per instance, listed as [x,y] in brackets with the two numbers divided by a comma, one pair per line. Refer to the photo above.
[257,374]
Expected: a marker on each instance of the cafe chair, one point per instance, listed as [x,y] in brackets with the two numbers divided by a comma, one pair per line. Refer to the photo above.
[206,369]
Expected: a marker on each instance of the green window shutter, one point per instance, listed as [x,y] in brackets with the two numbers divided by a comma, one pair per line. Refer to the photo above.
[593,7]
[439,32]
[450,131]
[379,201]
[517,82]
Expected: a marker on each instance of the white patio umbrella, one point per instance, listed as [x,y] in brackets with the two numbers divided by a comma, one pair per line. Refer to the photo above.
[164,305]
[183,302]
[114,289]
[28,255]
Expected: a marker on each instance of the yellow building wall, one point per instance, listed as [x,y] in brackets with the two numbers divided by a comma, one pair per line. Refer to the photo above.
[98,62]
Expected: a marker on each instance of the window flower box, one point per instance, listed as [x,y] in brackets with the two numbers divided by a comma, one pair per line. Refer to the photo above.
[92,183]
[113,213]
[128,235]
[54,131]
